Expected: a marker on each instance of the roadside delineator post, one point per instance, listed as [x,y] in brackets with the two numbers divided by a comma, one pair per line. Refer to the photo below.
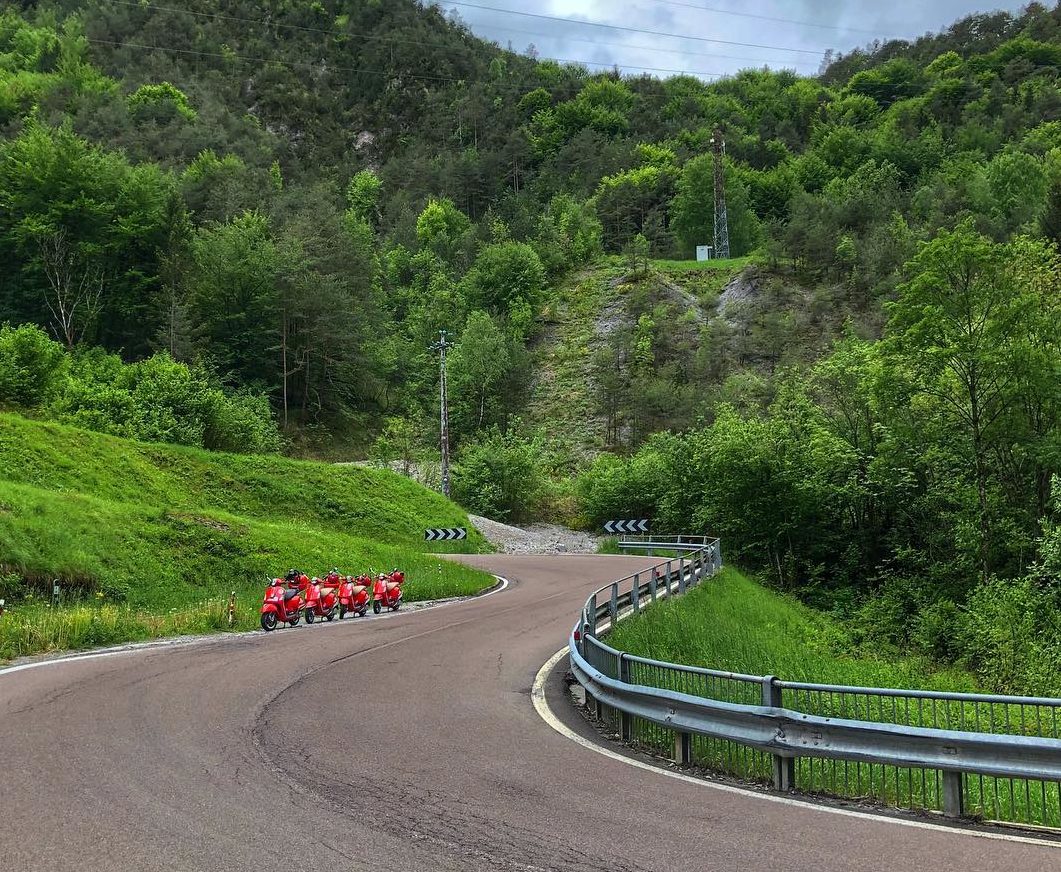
[784,768]
[232,608]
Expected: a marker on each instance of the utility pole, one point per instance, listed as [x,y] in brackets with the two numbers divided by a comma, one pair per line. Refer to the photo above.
[441,347]
[721,216]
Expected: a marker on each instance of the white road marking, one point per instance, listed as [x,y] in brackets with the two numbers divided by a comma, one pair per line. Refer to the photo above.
[189,641]
[541,705]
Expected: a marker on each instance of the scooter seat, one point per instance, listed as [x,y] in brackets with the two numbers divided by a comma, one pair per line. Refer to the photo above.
[290,595]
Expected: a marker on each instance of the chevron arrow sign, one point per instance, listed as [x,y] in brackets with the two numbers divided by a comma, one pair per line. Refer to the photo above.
[626,526]
[446,535]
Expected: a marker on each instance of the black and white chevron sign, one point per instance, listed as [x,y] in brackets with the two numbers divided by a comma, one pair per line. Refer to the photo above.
[445,535]
[626,526]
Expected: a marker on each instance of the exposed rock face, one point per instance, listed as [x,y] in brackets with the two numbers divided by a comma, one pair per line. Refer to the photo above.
[742,292]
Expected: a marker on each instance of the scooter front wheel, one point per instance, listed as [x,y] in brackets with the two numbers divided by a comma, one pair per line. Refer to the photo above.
[331,615]
[309,616]
[342,612]
[269,621]
[294,621]
[376,607]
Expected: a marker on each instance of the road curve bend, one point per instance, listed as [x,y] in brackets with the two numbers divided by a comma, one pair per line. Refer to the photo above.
[404,743]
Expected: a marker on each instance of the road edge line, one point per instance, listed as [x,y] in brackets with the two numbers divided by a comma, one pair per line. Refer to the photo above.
[541,706]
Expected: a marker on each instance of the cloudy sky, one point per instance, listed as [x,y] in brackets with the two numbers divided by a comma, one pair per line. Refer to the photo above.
[706,37]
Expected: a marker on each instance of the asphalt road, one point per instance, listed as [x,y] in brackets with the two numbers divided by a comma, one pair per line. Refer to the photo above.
[403,743]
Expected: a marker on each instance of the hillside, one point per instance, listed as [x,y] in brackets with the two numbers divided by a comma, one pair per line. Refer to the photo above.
[355,176]
[156,528]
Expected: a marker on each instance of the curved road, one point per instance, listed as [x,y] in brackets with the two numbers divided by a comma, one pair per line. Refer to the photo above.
[404,743]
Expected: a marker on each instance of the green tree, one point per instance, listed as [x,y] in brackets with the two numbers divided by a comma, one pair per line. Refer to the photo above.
[362,195]
[955,328]
[479,365]
[235,298]
[506,277]
[442,227]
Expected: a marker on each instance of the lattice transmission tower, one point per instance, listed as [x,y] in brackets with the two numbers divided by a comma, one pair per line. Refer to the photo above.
[721,215]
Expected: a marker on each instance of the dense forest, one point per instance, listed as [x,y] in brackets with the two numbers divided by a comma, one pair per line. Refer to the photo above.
[243,225]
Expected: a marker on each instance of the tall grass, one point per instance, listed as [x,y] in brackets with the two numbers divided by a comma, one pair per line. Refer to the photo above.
[731,623]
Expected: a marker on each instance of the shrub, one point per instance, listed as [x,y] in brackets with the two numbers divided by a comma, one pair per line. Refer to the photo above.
[241,423]
[502,477]
[1012,636]
[31,366]
[163,400]
[613,488]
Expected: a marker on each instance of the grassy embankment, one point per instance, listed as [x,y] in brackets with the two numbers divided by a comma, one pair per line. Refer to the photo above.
[731,623]
[148,540]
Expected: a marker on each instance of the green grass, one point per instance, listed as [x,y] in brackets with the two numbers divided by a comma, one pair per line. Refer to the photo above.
[729,266]
[149,540]
[731,623]
[357,501]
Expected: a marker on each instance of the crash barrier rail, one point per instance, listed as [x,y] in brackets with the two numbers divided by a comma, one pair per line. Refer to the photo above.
[977,755]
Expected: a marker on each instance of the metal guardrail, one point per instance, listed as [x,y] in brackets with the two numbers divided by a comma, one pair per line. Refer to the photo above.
[990,756]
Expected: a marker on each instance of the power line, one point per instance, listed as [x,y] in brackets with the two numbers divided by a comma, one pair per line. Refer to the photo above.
[632,46]
[837,27]
[625,29]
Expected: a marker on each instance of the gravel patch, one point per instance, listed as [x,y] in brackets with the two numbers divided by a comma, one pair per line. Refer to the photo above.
[535,539]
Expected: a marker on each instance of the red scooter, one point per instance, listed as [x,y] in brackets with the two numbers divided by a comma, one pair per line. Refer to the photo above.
[322,600]
[387,591]
[281,606]
[353,595]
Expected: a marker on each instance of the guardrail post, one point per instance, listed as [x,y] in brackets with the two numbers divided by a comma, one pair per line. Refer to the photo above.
[591,616]
[784,768]
[635,593]
[626,721]
[613,604]
[652,585]
[681,575]
[683,749]
[953,795]
[670,577]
